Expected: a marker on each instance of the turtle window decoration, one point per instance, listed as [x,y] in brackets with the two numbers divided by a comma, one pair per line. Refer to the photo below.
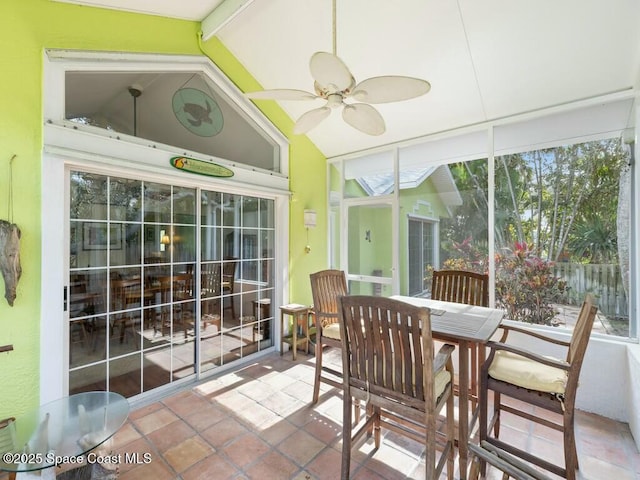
[198,112]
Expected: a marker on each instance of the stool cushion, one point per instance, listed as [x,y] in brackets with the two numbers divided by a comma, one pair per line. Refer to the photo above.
[331,331]
[518,370]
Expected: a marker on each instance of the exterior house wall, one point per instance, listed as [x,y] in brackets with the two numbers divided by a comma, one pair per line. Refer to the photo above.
[422,201]
[27,28]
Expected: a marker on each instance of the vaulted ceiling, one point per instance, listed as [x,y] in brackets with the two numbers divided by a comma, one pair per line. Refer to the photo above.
[485,60]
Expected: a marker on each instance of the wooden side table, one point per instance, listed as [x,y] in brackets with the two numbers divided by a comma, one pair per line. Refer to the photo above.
[300,314]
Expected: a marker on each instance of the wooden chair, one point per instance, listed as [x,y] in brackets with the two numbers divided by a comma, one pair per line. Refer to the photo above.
[461,286]
[8,439]
[182,296]
[229,266]
[326,287]
[550,384]
[388,362]
[126,295]
[210,292]
[511,466]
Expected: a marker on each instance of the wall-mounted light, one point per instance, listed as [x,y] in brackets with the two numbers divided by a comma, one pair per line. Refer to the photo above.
[309,222]
[310,218]
[164,240]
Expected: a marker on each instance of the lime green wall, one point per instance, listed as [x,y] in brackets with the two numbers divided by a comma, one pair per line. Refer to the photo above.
[27,27]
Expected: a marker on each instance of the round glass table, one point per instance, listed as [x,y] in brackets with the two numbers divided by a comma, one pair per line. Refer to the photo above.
[61,431]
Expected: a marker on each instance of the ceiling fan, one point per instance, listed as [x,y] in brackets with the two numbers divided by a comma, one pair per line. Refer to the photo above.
[334,83]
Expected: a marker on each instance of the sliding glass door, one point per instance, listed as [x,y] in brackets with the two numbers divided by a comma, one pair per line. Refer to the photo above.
[164,281]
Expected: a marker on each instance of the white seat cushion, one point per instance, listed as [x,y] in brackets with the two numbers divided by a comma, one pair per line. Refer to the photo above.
[332,331]
[443,378]
[518,370]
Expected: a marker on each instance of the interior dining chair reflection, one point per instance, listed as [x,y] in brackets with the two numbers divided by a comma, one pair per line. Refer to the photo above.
[176,310]
[126,299]
[229,266]
[550,384]
[210,292]
[470,288]
[389,362]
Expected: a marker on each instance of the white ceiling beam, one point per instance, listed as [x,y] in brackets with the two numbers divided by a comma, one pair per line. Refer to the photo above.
[221,15]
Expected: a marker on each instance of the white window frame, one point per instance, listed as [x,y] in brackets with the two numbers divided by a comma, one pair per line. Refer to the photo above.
[68,146]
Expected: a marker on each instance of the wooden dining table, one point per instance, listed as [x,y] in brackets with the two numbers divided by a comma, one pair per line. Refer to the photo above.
[462,325]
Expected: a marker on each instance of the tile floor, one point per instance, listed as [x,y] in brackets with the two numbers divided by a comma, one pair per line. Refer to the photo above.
[257,423]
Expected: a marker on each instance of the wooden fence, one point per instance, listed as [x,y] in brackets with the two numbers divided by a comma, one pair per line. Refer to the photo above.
[603,281]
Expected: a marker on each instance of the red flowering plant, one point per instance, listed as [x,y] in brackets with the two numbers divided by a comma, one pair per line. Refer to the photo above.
[526,287]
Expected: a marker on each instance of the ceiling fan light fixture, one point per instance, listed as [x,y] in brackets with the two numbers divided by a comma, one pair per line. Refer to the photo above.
[334,82]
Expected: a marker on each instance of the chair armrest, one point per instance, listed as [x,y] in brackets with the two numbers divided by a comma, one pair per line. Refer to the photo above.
[539,336]
[443,357]
[495,346]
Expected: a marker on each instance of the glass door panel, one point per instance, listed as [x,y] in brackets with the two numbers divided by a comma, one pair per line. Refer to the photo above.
[369,249]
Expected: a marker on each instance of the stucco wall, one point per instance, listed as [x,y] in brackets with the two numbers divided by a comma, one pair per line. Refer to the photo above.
[27,28]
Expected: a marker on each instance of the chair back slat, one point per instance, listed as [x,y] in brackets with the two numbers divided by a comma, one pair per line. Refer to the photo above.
[460,286]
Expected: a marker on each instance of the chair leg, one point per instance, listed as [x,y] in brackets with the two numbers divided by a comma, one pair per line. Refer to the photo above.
[346,436]
[570,451]
[316,381]
[496,414]
[451,435]
[376,426]
[484,423]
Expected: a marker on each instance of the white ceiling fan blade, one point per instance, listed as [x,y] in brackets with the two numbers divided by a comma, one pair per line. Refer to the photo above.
[281,94]
[390,89]
[311,119]
[364,117]
[330,72]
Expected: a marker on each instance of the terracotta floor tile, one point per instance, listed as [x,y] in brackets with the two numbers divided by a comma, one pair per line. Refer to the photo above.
[204,417]
[273,466]
[326,466]
[223,432]
[144,411]
[212,467]
[125,435]
[143,448]
[187,453]
[324,429]
[281,403]
[276,433]
[246,449]
[153,421]
[185,403]
[301,447]
[156,470]
[258,416]
[170,435]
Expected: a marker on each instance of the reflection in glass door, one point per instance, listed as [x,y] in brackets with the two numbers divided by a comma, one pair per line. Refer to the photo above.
[141,293]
